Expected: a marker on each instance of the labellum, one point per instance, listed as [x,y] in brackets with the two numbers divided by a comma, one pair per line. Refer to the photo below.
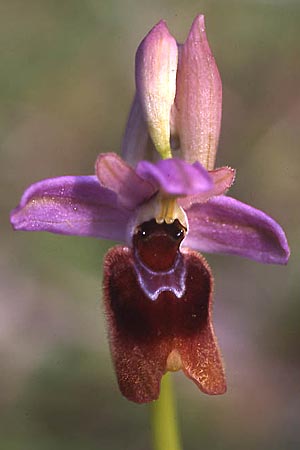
[160,316]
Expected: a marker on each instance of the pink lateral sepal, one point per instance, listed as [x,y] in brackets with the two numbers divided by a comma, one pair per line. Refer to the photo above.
[198,101]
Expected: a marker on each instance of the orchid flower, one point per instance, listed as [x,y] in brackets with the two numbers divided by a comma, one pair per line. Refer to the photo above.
[164,202]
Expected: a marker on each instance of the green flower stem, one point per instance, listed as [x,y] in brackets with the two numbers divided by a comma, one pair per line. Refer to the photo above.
[164,420]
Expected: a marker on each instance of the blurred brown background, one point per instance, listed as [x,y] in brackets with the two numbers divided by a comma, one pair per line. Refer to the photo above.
[66,82]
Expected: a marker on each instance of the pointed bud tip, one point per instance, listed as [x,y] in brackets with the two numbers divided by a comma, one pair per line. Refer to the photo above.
[158,32]
[199,24]
[160,26]
[198,34]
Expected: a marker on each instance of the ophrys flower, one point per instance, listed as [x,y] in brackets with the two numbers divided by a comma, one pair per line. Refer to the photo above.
[157,288]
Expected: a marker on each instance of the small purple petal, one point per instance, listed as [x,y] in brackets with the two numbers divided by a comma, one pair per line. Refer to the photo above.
[71,205]
[222,178]
[114,174]
[176,177]
[225,225]
[198,98]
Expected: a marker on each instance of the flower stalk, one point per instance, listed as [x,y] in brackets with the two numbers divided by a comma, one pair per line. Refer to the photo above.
[165,432]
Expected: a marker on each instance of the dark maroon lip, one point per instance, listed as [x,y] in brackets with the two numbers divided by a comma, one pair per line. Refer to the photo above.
[157,245]
[143,333]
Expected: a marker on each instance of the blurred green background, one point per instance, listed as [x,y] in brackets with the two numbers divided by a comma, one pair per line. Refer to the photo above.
[66,83]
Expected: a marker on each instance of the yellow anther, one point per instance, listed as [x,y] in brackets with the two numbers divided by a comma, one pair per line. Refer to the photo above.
[162,208]
[169,211]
